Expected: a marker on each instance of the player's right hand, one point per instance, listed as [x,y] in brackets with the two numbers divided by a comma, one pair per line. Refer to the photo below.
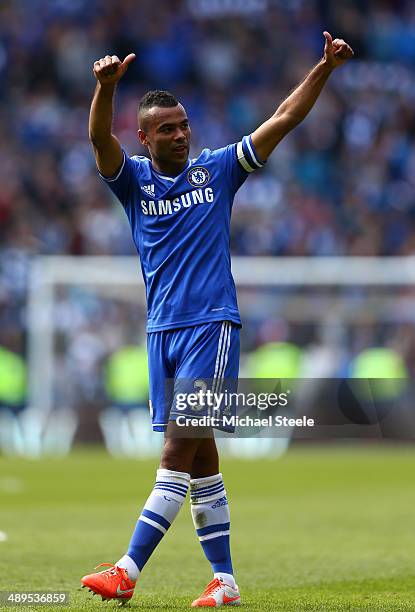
[110,69]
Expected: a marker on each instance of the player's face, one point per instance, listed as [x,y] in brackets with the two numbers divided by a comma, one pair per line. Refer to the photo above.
[166,133]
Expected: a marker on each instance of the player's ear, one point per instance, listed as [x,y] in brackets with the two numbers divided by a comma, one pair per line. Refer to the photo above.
[142,137]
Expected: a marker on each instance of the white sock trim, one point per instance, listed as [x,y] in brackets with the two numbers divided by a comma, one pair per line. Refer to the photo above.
[210,536]
[145,519]
[172,484]
[207,480]
[206,490]
[172,476]
[130,565]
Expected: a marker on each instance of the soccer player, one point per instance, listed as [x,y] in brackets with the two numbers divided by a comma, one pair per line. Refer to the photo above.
[179,210]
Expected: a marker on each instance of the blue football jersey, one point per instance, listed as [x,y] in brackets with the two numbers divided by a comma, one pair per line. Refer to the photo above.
[181,228]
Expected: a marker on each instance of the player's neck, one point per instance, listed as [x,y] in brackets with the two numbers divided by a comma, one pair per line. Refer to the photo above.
[169,168]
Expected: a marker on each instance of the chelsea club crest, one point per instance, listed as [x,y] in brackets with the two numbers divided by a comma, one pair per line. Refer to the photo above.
[198,176]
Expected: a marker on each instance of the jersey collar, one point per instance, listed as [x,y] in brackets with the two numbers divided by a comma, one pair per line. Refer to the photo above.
[171,178]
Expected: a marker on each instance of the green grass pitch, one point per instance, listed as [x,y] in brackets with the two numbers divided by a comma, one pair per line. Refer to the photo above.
[319,529]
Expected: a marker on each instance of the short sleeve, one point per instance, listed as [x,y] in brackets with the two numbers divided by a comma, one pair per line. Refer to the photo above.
[239,159]
[122,183]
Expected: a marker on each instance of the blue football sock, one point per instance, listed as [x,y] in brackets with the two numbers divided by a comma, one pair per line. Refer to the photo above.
[159,511]
[211,518]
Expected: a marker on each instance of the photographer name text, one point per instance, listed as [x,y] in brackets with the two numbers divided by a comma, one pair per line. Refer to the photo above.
[244,421]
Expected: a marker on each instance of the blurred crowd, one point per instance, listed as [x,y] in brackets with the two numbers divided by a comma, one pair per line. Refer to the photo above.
[343,183]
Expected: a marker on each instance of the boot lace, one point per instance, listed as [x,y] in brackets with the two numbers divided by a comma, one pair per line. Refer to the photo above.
[213,587]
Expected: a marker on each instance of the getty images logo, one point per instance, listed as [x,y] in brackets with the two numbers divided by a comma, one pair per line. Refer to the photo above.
[149,190]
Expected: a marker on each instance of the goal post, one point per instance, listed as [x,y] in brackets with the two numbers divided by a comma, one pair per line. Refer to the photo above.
[111,277]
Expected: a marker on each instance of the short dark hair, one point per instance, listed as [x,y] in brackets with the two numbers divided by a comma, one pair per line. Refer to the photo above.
[157,97]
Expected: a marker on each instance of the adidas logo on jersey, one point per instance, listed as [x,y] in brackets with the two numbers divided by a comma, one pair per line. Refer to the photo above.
[149,190]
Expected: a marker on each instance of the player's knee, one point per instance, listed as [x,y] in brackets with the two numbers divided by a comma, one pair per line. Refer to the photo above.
[178,454]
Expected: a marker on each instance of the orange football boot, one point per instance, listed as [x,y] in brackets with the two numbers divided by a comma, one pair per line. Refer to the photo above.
[112,583]
[218,594]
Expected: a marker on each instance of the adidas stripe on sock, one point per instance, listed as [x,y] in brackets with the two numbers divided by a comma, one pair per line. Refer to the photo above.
[160,510]
[211,518]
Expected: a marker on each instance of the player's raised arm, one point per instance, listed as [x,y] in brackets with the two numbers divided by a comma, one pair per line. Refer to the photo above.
[107,149]
[299,103]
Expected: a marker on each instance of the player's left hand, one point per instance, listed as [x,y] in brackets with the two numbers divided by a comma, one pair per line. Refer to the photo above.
[337,51]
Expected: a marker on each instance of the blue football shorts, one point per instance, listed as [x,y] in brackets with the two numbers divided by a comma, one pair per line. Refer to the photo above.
[187,360]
